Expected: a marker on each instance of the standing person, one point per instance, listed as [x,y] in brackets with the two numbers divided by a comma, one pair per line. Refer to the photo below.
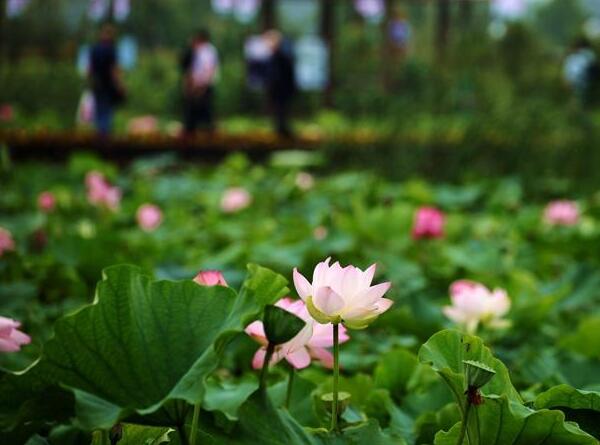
[105,78]
[281,81]
[200,66]
[581,71]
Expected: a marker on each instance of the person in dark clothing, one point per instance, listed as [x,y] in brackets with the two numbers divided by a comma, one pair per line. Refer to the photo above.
[199,64]
[105,79]
[280,82]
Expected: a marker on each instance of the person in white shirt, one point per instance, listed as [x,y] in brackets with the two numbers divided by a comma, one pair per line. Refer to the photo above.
[200,65]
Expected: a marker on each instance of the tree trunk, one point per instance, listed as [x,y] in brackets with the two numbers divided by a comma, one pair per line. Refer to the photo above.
[328,35]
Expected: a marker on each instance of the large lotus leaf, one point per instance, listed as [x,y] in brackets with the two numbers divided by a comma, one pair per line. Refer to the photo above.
[143,343]
[366,433]
[445,352]
[501,421]
[30,398]
[579,406]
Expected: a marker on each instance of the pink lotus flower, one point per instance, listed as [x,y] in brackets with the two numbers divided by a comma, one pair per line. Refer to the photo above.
[343,295]
[561,213]
[11,339]
[210,278]
[149,217]
[428,223]
[473,303]
[7,113]
[235,199]
[6,241]
[46,201]
[100,192]
[305,181]
[310,343]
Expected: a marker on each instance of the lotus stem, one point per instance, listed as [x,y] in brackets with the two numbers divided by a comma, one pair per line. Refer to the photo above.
[290,387]
[465,421]
[265,369]
[336,377]
[195,418]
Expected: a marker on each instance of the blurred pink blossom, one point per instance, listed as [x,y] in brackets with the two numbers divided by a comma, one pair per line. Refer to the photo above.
[310,343]
[320,233]
[100,192]
[235,199]
[210,278]
[46,201]
[142,125]
[305,181]
[149,217]
[6,241]
[562,213]
[474,304]
[428,223]
[11,339]
[7,113]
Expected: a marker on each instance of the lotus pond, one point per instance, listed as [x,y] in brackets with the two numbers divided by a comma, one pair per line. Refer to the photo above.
[140,304]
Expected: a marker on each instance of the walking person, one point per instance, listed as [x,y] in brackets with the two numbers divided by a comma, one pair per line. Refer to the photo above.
[281,81]
[200,66]
[105,78]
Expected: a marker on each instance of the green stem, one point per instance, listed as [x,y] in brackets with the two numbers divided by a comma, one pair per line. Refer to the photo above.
[265,369]
[336,376]
[195,418]
[463,427]
[290,386]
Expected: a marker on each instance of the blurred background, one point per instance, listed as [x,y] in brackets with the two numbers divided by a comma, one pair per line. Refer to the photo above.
[494,78]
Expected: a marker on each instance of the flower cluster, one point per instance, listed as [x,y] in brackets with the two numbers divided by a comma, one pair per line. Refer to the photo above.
[100,192]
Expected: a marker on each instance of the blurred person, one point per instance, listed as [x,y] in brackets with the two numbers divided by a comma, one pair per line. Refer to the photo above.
[581,70]
[200,66]
[105,78]
[280,80]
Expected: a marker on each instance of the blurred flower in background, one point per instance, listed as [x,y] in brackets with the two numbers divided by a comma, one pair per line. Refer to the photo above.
[561,213]
[235,199]
[474,304]
[428,223]
[142,125]
[6,241]
[11,339]
[7,113]
[100,192]
[46,202]
[305,181]
[149,217]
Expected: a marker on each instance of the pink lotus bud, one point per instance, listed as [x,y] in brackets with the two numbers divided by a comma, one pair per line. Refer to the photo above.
[210,278]
[305,181]
[7,113]
[46,202]
[309,344]
[235,199]
[428,223]
[149,217]
[474,304]
[11,339]
[561,213]
[6,241]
